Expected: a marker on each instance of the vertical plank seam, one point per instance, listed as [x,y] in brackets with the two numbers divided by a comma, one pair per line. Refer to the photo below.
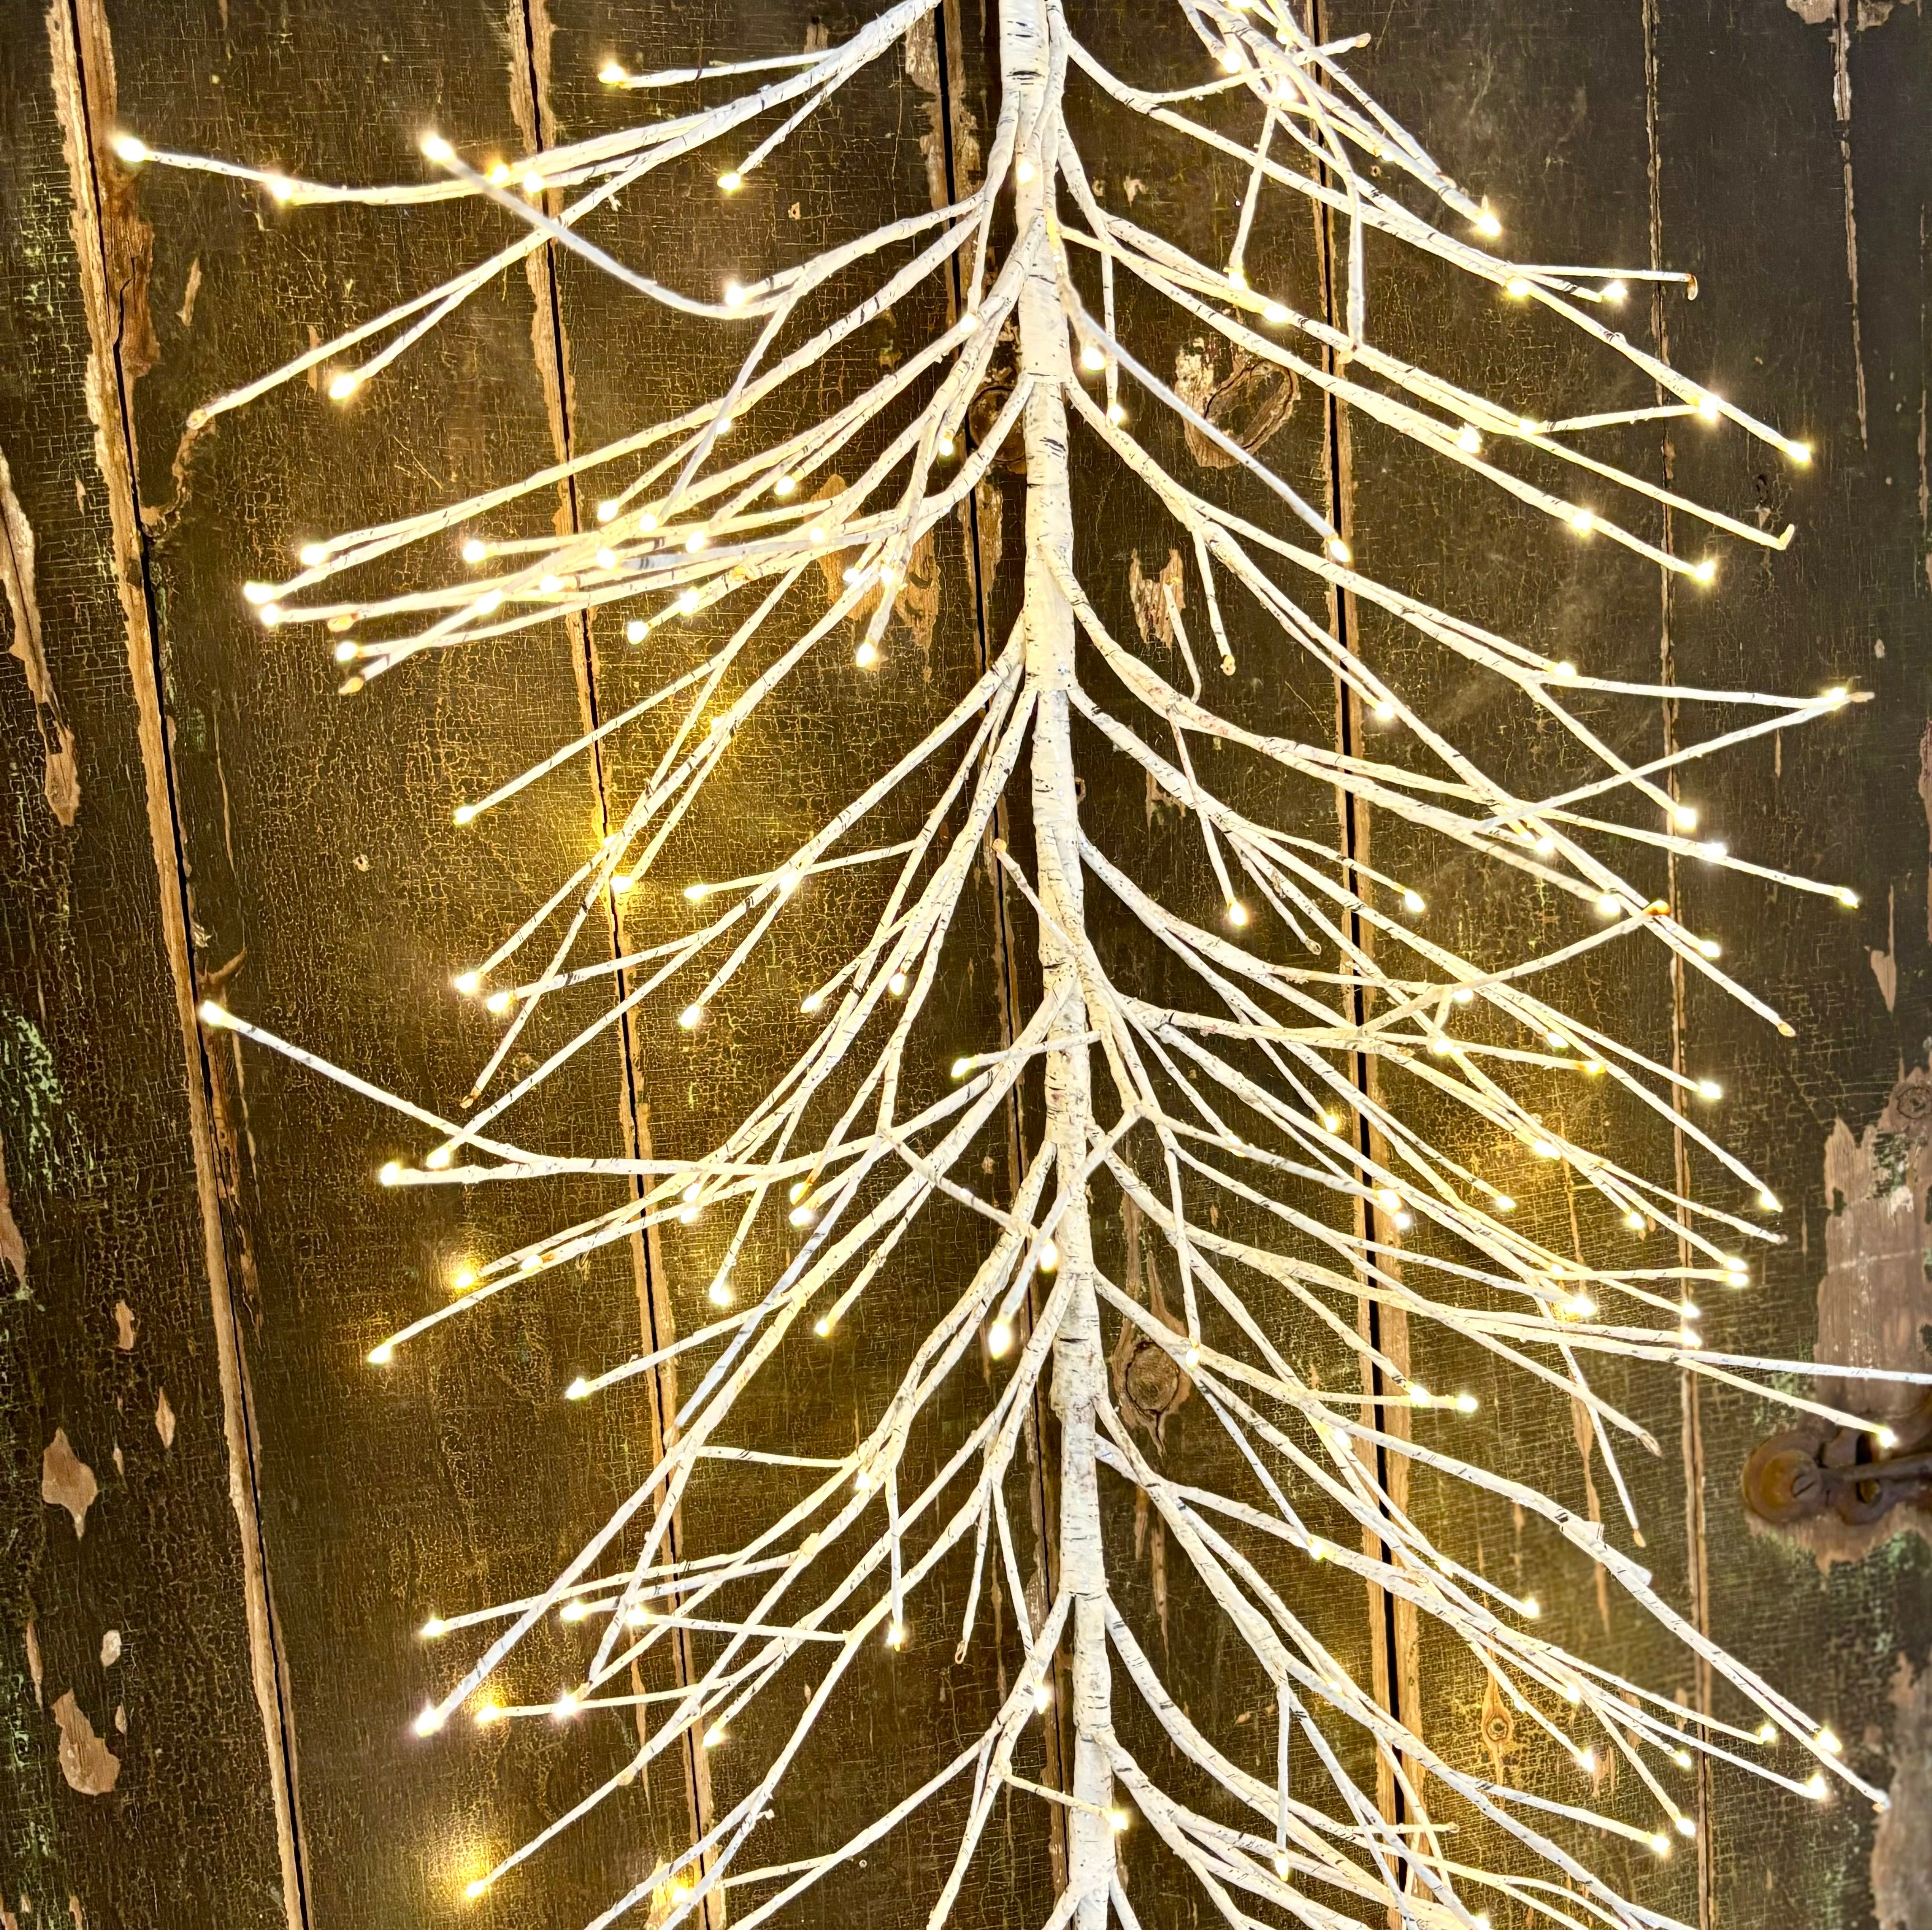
[78,27]
[1392,1648]
[648,1258]
[1696,1553]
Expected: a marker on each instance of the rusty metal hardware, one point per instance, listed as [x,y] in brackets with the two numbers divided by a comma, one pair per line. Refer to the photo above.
[1804,1476]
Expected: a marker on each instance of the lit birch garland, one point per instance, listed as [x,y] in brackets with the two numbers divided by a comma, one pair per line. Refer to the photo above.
[1252,1097]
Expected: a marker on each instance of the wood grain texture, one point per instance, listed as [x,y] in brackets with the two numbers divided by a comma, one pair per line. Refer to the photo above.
[137,1781]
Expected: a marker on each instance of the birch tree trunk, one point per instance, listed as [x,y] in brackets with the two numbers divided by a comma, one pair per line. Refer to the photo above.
[1077,1367]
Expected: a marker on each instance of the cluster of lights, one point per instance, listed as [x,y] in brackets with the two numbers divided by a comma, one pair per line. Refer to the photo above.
[567,586]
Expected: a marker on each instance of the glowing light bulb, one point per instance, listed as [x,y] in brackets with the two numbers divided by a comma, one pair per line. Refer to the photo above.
[1849,899]
[1486,224]
[1331,1122]
[1412,901]
[1276,312]
[1615,290]
[280,187]
[714,1735]
[1517,286]
[1709,1089]
[611,74]
[1116,414]
[429,1721]
[532,183]
[1706,571]
[786,483]
[1504,1204]
[487,1712]
[1659,1844]
[1769,1201]
[1000,1339]
[1048,1256]
[578,1389]
[1117,1820]
[734,294]
[436,149]
[389,1174]
[131,149]
[1800,453]
[1043,1697]
[730,181]
[1467,1404]
[1533,1609]
[1024,171]
[866,655]
[1237,914]
[382,1355]
[1339,550]
[1608,904]
[1828,1743]
[343,386]
[434,1627]
[1709,407]
[1817,1787]
[474,1887]
[1582,521]
[1469,439]
[1385,711]
[1634,1221]
[895,1636]
[896,984]
[497,1003]
[692,1018]
[1586,1761]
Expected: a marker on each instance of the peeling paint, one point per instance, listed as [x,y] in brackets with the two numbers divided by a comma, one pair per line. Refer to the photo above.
[36,1674]
[164,1420]
[88,1764]
[1869,13]
[61,776]
[1901,1856]
[66,1481]
[1148,597]
[1248,405]
[13,1241]
[110,1648]
[1875,1298]
[124,1327]
[1884,964]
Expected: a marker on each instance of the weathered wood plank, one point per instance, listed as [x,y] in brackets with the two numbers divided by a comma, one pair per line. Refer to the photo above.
[1811,253]
[139,1782]
[331,901]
